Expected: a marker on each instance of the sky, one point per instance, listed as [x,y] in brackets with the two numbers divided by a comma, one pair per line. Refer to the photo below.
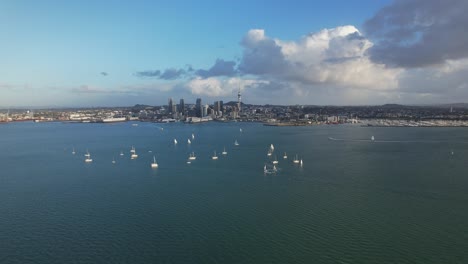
[122,53]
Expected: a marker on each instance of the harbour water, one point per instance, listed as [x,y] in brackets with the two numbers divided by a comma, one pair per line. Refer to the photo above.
[402,198]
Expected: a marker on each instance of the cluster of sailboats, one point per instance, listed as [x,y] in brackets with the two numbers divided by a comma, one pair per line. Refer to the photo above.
[268,168]
[271,168]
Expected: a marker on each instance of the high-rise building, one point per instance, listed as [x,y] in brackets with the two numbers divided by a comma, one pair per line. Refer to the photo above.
[239,100]
[182,107]
[170,106]
[221,106]
[198,108]
[205,110]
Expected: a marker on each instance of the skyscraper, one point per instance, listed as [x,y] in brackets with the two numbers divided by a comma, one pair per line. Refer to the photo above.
[239,100]
[170,106]
[182,107]
[198,108]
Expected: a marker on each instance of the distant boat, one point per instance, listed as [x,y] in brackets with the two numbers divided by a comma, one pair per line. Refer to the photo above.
[296,160]
[134,124]
[215,157]
[224,151]
[113,160]
[134,155]
[192,156]
[188,141]
[285,156]
[240,129]
[121,153]
[88,158]
[275,161]
[175,141]
[193,136]
[372,138]
[236,143]
[265,169]
[154,164]
[269,152]
[73,151]
[87,154]
[272,147]
[189,162]
[132,150]
[301,163]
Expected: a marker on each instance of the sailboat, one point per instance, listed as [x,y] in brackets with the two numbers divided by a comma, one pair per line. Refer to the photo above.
[269,152]
[215,157]
[240,129]
[301,163]
[272,147]
[87,154]
[275,161]
[192,156]
[372,138]
[188,141]
[285,156]
[193,136]
[73,151]
[88,158]
[265,169]
[113,160]
[296,160]
[236,143]
[175,141]
[154,164]
[132,150]
[134,155]
[224,151]
[121,153]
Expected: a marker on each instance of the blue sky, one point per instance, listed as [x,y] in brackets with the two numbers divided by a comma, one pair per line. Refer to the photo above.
[90,53]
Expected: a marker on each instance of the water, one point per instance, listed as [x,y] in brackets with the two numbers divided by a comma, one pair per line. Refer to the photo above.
[400,199]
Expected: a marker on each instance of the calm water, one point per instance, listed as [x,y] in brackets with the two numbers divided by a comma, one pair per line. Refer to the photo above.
[351,202]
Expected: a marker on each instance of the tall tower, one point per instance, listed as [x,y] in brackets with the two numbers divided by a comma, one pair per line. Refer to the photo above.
[239,100]
[182,106]
[198,108]
[170,107]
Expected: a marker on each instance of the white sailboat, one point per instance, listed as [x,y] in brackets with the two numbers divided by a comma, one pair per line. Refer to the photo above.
[132,150]
[301,162]
[215,157]
[224,151]
[285,156]
[272,147]
[236,143]
[275,161]
[240,129]
[121,153]
[296,160]
[192,156]
[175,141]
[154,164]
[134,155]
[113,160]
[88,158]
[372,138]
[87,154]
[193,136]
[73,151]
[265,169]
[269,153]
[188,141]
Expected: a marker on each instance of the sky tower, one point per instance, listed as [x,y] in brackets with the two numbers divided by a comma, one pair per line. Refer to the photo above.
[239,100]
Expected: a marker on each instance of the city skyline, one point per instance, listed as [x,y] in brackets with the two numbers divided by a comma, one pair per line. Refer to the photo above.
[63,54]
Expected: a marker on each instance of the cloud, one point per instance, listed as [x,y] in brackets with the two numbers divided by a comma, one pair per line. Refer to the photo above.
[220,68]
[172,74]
[418,33]
[217,87]
[150,74]
[104,73]
[334,56]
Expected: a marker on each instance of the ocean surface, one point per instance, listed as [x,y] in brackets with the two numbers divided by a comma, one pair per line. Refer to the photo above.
[402,198]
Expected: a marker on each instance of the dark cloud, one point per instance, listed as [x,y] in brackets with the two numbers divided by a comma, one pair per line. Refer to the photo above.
[104,73]
[261,55]
[148,73]
[220,68]
[418,33]
[172,74]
